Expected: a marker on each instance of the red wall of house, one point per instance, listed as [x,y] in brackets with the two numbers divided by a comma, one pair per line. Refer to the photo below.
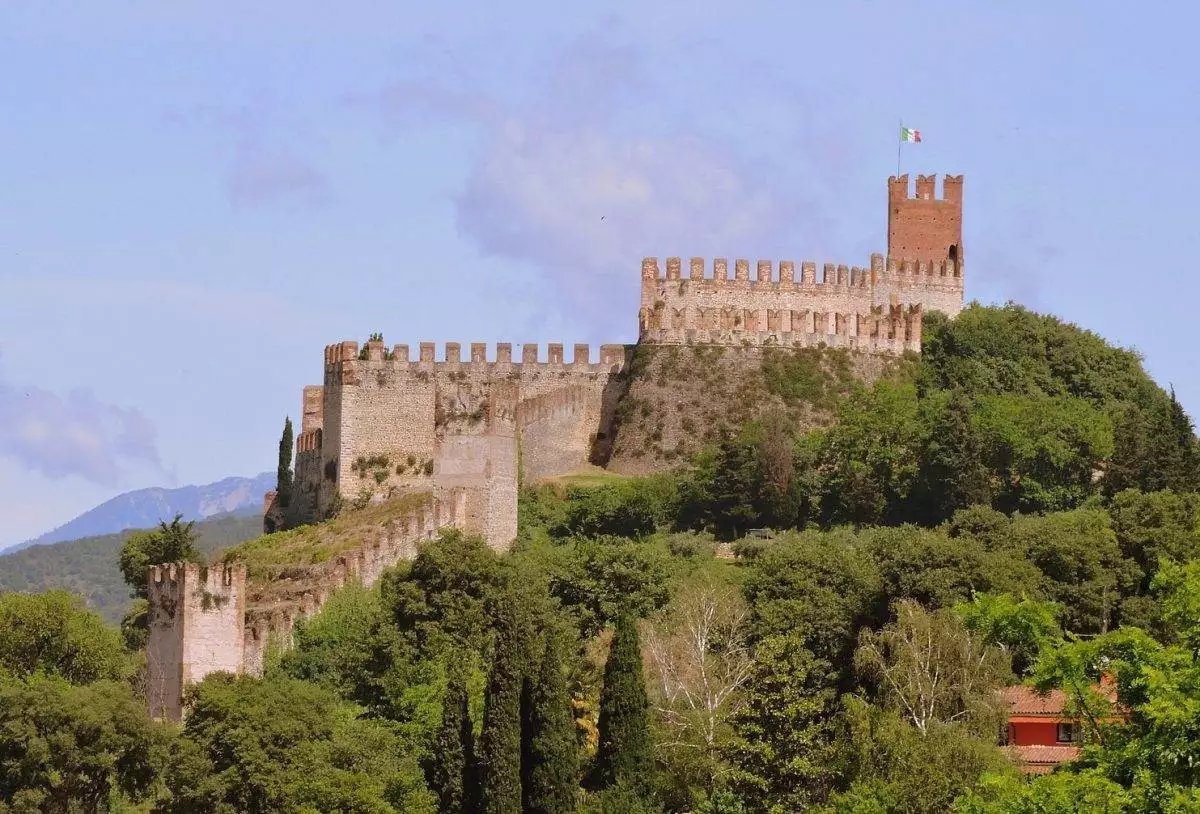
[1042,733]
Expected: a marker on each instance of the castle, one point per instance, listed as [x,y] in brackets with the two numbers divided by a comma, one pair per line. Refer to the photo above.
[384,422]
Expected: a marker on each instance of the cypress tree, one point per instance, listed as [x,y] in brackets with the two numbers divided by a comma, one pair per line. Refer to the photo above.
[283,479]
[1184,472]
[452,774]
[549,753]
[500,740]
[624,755]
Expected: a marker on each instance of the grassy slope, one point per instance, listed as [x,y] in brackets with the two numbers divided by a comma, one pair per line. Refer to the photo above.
[271,554]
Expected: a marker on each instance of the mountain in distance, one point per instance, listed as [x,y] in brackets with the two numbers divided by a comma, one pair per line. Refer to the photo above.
[145,508]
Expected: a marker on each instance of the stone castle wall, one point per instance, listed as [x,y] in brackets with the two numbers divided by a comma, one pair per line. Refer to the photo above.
[207,620]
[875,309]
[388,423]
[563,429]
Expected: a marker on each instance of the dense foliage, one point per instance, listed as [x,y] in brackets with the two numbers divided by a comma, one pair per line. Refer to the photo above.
[796,620]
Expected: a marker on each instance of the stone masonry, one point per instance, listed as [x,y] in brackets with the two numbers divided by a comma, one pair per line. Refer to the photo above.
[875,309]
[384,423]
[207,620]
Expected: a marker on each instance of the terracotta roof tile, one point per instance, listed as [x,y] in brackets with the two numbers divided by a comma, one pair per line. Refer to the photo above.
[1044,756]
[1024,700]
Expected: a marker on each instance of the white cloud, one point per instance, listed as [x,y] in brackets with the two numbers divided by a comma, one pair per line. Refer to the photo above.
[73,434]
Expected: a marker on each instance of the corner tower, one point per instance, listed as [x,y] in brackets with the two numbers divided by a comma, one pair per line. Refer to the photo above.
[925,228]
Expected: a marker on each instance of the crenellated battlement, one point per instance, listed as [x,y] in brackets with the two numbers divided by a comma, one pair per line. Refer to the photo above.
[375,355]
[899,189]
[429,355]
[807,303]
[882,329]
[923,226]
[206,619]
[782,276]
[308,441]
[172,577]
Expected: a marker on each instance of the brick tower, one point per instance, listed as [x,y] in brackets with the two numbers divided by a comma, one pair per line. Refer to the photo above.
[925,228]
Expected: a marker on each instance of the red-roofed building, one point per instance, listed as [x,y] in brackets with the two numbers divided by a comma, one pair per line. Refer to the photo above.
[1040,733]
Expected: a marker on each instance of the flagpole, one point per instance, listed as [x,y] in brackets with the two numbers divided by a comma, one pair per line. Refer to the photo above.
[899,145]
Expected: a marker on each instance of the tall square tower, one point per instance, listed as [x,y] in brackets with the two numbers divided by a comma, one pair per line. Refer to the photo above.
[925,227]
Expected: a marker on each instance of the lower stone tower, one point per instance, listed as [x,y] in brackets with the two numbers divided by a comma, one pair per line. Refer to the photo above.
[196,617]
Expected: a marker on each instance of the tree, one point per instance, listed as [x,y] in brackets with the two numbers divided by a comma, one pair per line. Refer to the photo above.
[550,780]
[441,600]
[870,456]
[351,648]
[1085,572]
[722,491]
[1152,527]
[625,509]
[1020,628]
[1046,451]
[277,744]
[820,587]
[894,767]
[931,669]
[283,476]
[781,746]
[452,769]
[939,571]
[1183,460]
[500,740]
[53,633]
[597,578]
[1058,793]
[953,473]
[67,748]
[175,542]
[700,654]
[624,754]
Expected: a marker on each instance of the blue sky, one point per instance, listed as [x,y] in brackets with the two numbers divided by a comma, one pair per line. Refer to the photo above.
[196,197]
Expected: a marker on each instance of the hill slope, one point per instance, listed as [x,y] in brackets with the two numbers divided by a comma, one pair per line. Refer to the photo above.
[88,566]
[145,508]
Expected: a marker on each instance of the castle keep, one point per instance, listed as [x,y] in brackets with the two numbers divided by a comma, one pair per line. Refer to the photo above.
[387,422]
[876,308]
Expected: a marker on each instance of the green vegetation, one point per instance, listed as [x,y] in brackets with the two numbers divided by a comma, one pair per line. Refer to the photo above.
[52,634]
[89,566]
[801,618]
[266,556]
[173,542]
[283,481]
[624,756]
[500,742]
[549,765]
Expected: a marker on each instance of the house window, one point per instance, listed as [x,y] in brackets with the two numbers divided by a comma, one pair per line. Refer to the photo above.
[1068,733]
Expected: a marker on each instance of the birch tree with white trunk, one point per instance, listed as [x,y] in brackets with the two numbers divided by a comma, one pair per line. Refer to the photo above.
[698,657]
[932,669]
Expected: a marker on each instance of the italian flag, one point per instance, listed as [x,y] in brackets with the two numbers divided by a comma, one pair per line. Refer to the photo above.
[908,134]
